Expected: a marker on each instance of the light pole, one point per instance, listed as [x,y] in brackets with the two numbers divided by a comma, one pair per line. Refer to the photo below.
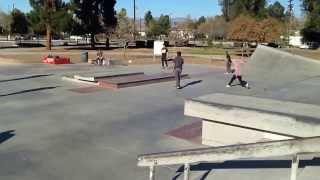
[134,19]
[290,10]
[226,9]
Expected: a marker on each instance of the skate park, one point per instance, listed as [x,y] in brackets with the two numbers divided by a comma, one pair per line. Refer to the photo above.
[53,128]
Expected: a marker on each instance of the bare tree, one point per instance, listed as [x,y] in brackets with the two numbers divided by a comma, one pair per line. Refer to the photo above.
[214,28]
[5,22]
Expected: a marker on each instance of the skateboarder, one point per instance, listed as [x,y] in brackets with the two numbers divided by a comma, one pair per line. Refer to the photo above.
[228,63]
[237,73]
[177,68]
[100,58]
[164,55]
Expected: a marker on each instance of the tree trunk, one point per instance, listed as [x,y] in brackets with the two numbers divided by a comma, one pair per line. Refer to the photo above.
[49,37]
[107,43]
[92,40]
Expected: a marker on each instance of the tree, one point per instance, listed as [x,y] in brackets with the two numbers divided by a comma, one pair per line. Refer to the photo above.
[19,22]
[37,23]
[233,8]
[270,30]
[45,10]
[242,29]
[165,24]
[148,18]
[311,30]
[49,16]
[5,21]
[188,24]
[109,15]
[96,16]
[154,29]
[246,28]
[276,11]
[201,20]
[158,27]
[124,24]
[214,28]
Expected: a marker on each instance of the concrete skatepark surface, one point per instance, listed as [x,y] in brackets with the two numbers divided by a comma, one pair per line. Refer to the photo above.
[62,134]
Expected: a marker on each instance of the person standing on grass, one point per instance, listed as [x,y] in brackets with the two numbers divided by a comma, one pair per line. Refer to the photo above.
[164,56]
[177,68]
[237,73]
[228,63]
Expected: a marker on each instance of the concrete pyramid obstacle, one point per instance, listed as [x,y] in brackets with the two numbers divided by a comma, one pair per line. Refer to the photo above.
[273,67]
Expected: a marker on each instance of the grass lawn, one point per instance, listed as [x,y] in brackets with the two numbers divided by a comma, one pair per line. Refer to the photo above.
[314,54]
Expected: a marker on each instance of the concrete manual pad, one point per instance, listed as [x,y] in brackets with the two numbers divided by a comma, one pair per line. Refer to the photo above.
[136,80]
[279,117]
[93,77]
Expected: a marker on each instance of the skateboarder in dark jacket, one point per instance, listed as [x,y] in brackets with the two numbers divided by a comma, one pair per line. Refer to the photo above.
[228,63]
[178,65]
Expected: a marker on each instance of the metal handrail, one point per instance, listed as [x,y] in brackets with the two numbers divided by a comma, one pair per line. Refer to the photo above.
[295,148]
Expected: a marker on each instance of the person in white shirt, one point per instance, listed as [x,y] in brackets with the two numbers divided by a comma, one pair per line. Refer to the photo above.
[164,55]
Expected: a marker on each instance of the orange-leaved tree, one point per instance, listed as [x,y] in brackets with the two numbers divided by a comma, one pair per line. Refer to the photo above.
[247,28]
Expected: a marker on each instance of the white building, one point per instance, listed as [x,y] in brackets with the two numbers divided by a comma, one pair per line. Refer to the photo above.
[295,41]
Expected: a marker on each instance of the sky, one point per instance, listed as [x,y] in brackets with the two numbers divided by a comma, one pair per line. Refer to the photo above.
[174,8]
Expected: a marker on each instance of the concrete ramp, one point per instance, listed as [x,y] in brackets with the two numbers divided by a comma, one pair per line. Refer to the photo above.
[249,119]
[272,67]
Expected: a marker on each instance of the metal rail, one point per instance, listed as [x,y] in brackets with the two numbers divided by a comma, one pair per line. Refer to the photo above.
[294,148]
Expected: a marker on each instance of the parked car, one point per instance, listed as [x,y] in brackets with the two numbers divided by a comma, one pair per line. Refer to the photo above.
[309,45]
[274,45]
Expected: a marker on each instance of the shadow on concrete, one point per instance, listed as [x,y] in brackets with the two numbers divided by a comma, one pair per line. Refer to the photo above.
[26,77]
[191,84]
[177,176]
[232,85]
[29,90]
[203,177]
[4,136]
[251,164]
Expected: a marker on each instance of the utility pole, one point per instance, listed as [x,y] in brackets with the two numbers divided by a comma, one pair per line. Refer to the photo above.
[134,19]
[140,24]
[50,7]
[290,19]
[227,9]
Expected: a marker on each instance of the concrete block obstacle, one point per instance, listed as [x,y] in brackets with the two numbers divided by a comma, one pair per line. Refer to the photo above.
[233,119]
[117,80]
[136,80]
[95,77]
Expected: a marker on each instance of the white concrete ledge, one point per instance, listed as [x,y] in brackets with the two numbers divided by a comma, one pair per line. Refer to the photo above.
[65,78]
[280,117]
[95,77]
